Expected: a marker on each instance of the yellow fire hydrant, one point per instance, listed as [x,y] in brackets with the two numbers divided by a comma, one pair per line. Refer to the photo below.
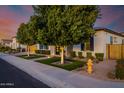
[89,66]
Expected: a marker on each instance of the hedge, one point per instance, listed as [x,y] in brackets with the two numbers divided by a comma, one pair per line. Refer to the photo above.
[73,54]
[99,56]
[89,54]
[46,52]
[80,55]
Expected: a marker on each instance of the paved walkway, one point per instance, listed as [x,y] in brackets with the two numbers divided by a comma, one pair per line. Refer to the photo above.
[41,58]
[56,77]
[12,77]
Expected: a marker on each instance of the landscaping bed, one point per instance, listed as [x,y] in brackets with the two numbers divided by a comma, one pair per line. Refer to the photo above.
[119,71]
[32,56]
[69,63]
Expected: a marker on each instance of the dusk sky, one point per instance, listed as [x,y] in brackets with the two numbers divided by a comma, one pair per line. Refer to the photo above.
[12,16]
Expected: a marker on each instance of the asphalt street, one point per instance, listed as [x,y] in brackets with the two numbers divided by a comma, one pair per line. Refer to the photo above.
[12,77]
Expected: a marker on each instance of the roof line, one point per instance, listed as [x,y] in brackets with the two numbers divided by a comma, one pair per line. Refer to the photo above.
[109,31]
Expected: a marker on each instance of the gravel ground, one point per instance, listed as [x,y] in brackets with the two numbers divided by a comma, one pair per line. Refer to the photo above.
[100,70]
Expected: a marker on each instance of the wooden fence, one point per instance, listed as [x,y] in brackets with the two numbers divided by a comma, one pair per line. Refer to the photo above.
[115,51]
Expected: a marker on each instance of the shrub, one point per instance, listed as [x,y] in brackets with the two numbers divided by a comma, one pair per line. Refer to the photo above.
[120,61]
[80,55]
[89,55]
[119,71]
[5,49]
[46,52]
[73,54]
[99,56]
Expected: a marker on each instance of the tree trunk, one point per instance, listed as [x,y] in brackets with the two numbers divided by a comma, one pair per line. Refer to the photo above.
[85,45]
[62,55]
[28,51]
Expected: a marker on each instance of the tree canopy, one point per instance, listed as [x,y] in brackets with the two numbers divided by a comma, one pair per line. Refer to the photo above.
[24,36]
[66,25]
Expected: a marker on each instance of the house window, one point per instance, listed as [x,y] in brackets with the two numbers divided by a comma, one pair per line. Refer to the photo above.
[43,46]
[123,41]
[88,45]
[111,40]
[115,39]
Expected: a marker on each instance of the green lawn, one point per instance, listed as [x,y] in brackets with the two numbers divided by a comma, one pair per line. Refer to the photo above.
[49,60]
[32,56]
[71,66]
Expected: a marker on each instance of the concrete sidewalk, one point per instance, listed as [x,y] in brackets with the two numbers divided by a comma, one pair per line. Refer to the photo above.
[56,77]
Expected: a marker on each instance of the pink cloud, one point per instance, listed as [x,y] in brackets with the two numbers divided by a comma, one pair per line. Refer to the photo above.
[6,22]
[10,20]
[108,16]
[28,8]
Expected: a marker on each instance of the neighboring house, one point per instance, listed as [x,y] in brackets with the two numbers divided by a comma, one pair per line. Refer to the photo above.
[6,42]
[15,44]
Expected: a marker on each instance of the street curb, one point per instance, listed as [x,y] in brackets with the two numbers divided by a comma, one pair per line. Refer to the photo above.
[50,81]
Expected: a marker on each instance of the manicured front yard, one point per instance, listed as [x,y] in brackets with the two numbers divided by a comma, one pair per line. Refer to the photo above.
[32,56]
[73,64]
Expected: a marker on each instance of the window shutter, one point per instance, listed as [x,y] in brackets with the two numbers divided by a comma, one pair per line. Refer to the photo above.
[82,46]
[92,43]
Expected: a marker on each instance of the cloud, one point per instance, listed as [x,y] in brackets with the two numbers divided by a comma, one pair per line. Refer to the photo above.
[6,22]
[11,17]
[111,17]
[118,24]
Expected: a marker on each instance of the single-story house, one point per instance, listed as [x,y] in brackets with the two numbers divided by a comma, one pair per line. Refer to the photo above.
[96,44]
[6,42]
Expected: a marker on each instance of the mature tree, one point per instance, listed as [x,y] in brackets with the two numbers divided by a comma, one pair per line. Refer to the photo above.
[34,24]
[24,36]
[66,25]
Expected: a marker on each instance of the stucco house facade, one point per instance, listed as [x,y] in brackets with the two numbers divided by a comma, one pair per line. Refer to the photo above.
[6,42]
[103,37]
[99,42]
[96,44]
[15,44]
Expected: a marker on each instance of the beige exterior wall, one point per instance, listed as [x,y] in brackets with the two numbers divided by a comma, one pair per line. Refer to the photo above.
[100,42]
[102,38]
[16,45]
[52,49]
